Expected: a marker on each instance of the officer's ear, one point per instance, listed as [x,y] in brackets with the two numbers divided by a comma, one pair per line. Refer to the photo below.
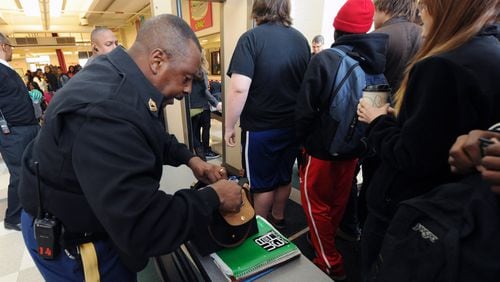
[94,48]
[158,60]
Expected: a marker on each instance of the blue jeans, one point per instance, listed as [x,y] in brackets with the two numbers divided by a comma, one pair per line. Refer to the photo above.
[65,268]
[12,148]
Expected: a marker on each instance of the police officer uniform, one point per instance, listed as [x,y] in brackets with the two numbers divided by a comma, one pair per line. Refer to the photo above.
[101,154]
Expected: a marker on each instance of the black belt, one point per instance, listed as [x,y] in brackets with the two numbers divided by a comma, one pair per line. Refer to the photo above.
[71,239]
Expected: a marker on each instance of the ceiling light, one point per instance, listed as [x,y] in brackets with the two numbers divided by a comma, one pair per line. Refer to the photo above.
[31,8]
[55,8]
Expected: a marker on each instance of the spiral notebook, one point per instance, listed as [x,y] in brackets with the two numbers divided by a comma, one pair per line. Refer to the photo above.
[259,254]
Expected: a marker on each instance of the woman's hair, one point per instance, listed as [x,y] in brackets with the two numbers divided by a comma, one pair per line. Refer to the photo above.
[398,8]
[203,66]
[35,85]
[454,23]
[264,11]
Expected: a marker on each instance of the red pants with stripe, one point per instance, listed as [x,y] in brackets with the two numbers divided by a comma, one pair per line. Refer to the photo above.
[325,186]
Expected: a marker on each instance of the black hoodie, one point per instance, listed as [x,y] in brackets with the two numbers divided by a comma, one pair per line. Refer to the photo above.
[317,85]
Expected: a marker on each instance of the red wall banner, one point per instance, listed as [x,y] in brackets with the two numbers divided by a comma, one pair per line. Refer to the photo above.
[200,14]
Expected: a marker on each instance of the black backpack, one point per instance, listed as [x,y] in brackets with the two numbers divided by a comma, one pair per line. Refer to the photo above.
[450,234]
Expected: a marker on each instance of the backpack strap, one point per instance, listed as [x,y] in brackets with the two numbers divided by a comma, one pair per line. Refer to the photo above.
[342,51]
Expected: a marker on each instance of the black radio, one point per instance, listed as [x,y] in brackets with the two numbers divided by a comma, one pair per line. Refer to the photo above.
[47,232]
[47,228]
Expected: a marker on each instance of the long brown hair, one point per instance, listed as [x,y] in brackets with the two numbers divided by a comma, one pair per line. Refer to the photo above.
[454,23]
[272,11]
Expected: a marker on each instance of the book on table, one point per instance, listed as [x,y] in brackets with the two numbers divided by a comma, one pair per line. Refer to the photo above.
[260,253]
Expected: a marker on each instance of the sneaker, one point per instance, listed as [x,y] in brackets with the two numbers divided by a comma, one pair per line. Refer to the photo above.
[210,155]
[277,223]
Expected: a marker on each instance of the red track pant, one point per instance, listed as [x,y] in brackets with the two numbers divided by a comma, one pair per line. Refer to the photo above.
[325,187]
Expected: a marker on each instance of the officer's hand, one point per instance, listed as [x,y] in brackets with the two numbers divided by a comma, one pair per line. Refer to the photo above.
[206,172]
[229,193]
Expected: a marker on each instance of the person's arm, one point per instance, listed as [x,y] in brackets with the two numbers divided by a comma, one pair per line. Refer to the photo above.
[177,154]
[236,98]
[117,171]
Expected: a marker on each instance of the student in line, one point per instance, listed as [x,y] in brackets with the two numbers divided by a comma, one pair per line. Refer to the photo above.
[450,88]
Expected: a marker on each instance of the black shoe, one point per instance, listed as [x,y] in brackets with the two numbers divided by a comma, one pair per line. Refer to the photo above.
[210,155]
[12,226]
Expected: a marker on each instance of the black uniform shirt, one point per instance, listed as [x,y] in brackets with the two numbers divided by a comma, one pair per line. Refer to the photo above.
[15,102]
[101,154]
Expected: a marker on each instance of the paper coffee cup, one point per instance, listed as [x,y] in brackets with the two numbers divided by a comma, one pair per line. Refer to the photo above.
[378,95]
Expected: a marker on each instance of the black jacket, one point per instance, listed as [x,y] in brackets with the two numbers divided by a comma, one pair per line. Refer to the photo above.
[447,95]
[101,154]
[15,102]
[317,86]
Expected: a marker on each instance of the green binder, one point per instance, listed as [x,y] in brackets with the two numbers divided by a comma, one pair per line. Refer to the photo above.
[257,254]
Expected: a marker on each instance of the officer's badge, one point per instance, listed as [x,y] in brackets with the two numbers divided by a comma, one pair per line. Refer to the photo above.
[152,105]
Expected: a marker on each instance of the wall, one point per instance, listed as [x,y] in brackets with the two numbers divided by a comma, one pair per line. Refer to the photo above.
[315,17]
[216,15]
[127,35]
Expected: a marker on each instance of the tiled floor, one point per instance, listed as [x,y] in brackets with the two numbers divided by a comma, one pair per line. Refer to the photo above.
[15,261]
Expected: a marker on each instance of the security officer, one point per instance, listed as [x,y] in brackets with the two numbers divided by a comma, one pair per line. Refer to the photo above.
[18,127]
[101,154]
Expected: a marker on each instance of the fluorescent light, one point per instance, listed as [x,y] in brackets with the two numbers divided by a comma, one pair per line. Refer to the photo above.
[55,8]
[31,8]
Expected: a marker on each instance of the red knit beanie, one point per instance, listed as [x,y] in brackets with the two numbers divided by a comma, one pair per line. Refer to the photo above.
[356,16]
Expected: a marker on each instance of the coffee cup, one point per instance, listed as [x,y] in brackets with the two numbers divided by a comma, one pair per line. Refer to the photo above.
[377,95]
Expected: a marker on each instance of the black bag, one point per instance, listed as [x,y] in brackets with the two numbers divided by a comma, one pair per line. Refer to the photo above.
[228,230]
[450,234]
[342,134]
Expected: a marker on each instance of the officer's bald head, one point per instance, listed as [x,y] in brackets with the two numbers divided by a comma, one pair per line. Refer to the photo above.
[167,32]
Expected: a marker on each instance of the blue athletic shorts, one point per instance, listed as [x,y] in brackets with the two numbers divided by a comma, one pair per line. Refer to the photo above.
[268,157]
